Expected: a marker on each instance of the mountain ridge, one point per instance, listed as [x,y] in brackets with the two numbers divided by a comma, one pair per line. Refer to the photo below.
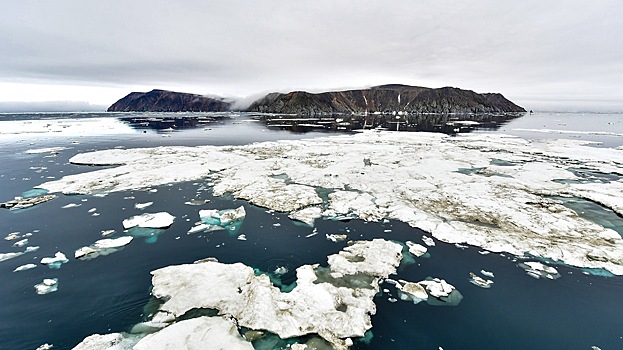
[377,99]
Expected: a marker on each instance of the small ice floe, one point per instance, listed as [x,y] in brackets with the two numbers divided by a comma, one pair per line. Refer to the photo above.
[484,252]
[7,256]
[55,262]
[24,267]
[416,249]
[95,214]
[537,270]
[197,201]
[149,220]
[242,238]
[215,220]
[487,273]
[106,233]
[336,237]
[53,150]
[594,347]
[434,291]
[281,270]
[92,210]
[12,236]
[461,246]
[48,285]
[102,247]
[277,224]
[142,205]
[22,203]
[21,243]
[45,346]
[129,197]
[479,281]
[71,205]
[428,241]
[313,233]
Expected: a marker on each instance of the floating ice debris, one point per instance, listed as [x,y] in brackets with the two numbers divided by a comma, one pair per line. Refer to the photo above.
[313,233]
[593,347]
[197,201]
[411,291]
[24,267]
[102,247]
[92,210]
[537,270]
[113,341]
[12,236]
[484,252]
[106,233]
[21,243]
[53,150]
[71,205]
[21,203]
[95,214]
[55,262]
[129,197]
[428,241]
[479,281]
[7,256]
[214,220]
[31,249]
[487,273]
[45,346]
[277,224]
[427,190]
[48,285]
[281,270]
[307,215]
[461,246]
[149,220]
[338,300]
[336,237]
[416,249]
[142,205]
[242,238]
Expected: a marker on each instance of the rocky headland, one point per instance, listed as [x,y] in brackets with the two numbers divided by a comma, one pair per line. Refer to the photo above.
[378,99]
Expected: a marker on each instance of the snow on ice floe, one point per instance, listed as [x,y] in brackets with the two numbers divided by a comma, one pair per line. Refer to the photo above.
[505,205]
[334,302]
[102,247]
[539,270]
[25,267]
[216,220]
[49,285]
[56,261]
[434,291]
[7,256]
[149,220]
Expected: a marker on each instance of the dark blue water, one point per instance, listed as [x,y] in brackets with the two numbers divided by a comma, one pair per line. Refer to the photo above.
[108,294]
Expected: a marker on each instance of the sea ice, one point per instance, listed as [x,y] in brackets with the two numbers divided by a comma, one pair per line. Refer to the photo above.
[215,220]
[143,205]
[417,178]
[537,270]
[21,243]
[22,203]
[102,247]
[336,237]
[56,261]
[149,220]
[48,285]
[479,281]
[416,249]
[24,267]
[12,236]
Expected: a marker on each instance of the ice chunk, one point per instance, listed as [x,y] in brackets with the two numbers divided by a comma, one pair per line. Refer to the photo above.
[56,261]
[336,237]
[48,285]
[21,203]
[479,281]
[537,270]
[416,249]
[24,267]
[307,215]
[12,236]
[45,346]
[143,205]
[102,247]
[149,220]
[487,273]
[21,243]
[53,150]
[412,291]
[214,220]
[242,238]
[71,205]
[106,233]
[428,241]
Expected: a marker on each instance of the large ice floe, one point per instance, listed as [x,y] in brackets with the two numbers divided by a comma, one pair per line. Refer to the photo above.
[333,302]
[491,191]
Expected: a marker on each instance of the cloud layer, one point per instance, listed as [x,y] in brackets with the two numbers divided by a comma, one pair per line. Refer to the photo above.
[527,50]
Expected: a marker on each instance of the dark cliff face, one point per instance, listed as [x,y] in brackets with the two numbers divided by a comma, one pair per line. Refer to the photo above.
[385,98]
[168,101]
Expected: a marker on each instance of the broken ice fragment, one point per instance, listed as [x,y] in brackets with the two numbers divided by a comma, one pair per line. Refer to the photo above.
[479,281]
[214,220]
[21,243]
[537,270]
[12,236]
[71,205]
[336,237]
[48,285]
[149,220]
[487,273]
[24,267]
[55,262]
[242,238]
[428,241]
[412,291]
[197,202]
[45,346]
[102,247]
[106,233]
[21,203]
[416,249]
[142,205]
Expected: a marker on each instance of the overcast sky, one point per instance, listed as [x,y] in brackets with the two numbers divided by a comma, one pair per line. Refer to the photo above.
[541,54]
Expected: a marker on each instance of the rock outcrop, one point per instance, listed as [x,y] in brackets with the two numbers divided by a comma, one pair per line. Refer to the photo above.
[385,99]
[168,101]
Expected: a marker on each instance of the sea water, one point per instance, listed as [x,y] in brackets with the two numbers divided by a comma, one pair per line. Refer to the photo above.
[109,293]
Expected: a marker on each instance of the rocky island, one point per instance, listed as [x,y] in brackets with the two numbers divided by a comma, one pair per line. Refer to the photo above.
[378,99]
